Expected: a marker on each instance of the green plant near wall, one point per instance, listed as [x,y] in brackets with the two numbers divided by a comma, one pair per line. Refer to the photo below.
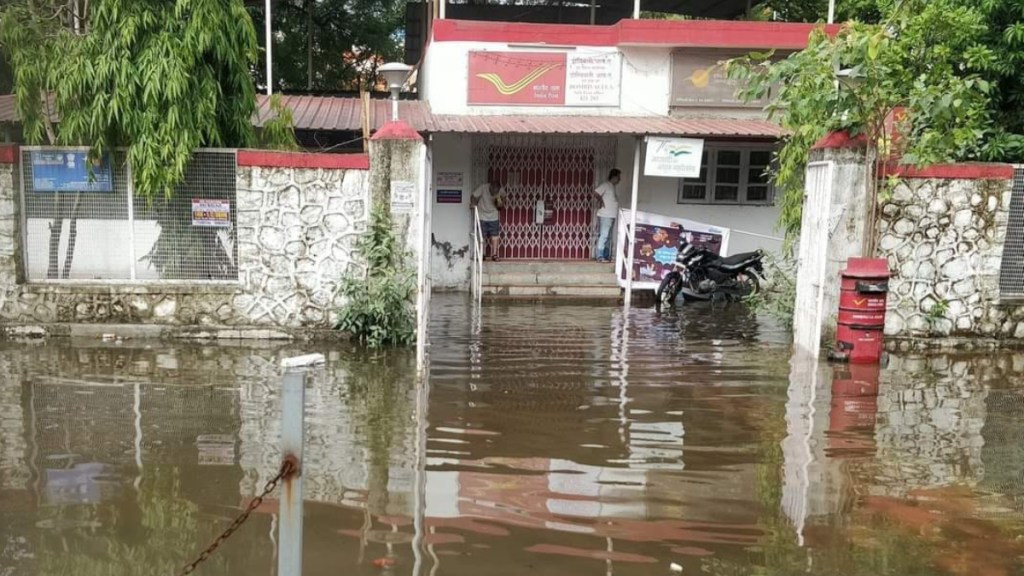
[378,308]
[925,57]
[777,297]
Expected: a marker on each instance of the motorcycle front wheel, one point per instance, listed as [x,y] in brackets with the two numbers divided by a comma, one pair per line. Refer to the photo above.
[668,290]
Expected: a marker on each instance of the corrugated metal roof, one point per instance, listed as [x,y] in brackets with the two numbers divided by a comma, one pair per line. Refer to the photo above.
[343,114]
[632,125]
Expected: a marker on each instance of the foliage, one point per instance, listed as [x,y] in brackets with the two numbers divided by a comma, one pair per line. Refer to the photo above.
[159,77]
[279,129]
[777,297]
[925,59]
[817,10]
[331,45]
[379,307]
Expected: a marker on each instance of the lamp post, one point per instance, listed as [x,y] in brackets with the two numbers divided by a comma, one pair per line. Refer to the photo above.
[395,74]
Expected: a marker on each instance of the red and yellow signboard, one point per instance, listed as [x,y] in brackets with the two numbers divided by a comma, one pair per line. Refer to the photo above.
[544,79]
[517,78]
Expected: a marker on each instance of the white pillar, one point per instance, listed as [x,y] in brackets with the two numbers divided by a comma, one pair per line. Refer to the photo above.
[636,9]
[269,42]
[444,4]
[293,416]
[631,231]
[831,11]
[423,262]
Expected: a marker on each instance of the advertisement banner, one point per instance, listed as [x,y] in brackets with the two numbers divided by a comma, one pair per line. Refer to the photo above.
[657,244]
[63,171]
[544,79]
[211,213]
[673,157]
[699,80]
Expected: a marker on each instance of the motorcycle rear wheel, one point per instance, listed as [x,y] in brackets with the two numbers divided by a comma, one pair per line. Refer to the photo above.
[748,285]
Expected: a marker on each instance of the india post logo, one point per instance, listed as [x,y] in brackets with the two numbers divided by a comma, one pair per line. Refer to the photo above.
[516,78]
[516,87]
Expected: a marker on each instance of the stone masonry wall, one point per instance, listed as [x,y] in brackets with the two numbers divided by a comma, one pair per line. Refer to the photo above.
[944,241]
[296,231]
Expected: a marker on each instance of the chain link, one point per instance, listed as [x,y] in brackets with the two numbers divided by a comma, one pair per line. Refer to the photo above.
[288,468]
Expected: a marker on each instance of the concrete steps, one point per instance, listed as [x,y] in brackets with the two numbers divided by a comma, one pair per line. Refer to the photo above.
[550,279]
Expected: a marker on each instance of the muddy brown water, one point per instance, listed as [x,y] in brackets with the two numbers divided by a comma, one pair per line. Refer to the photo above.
[554,439]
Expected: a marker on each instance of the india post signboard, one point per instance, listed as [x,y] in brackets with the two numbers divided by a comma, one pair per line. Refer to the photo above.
[544,79]
[211,213]
[69,172]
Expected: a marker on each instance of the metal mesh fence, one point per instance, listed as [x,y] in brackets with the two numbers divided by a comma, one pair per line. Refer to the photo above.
[86,223]
[1011,277]
[75,234]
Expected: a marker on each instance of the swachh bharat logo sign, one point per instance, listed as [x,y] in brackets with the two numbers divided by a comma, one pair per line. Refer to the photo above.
[673,157]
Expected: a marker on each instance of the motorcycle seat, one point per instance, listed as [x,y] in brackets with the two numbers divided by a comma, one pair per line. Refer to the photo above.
[737,259]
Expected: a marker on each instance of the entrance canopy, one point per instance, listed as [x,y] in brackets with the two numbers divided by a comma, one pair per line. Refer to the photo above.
[316,113]
[345,114]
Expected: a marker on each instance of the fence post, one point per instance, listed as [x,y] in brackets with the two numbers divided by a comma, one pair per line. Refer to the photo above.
[293,408]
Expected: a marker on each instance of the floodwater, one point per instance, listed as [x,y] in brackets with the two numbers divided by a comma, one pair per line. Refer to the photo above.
[549,440]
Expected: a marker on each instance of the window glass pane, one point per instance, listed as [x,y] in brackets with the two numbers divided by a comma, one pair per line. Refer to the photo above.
[728,157]
[757,175]
[727,193]
[694,192]
[757,194]
[727,175]
[760,158]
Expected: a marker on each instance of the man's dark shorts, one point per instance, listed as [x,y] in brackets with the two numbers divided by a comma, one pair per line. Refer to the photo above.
[490,228]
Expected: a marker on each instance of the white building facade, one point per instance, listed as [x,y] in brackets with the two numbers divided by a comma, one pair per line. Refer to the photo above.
[548,110]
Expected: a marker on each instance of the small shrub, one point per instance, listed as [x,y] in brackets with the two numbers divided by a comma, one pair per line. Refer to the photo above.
[379,308]
[777,297]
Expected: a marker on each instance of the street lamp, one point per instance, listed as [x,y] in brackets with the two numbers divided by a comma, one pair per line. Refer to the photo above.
[395,74]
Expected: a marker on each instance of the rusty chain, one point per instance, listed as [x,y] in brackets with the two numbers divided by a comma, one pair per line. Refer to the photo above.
[288,467]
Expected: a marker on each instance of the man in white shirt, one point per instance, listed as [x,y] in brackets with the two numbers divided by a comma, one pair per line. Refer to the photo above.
[487,198]
[609,209]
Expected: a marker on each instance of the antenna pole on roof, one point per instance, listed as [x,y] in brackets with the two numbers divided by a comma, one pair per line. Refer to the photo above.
[270,59]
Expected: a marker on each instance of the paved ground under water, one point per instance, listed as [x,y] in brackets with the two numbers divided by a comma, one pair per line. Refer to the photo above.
[555,440]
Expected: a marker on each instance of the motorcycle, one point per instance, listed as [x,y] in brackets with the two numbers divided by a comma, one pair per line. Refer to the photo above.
[699,274]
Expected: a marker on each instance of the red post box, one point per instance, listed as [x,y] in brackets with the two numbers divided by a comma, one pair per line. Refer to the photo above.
[862,301]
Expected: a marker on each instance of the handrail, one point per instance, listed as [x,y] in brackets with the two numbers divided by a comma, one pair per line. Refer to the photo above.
[478,257]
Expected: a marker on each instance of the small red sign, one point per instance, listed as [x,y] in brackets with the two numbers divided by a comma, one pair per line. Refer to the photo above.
[517,78]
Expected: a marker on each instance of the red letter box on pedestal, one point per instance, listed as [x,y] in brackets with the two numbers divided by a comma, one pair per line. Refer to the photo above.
[862,301]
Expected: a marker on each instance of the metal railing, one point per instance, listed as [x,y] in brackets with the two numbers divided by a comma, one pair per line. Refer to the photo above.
[476,278]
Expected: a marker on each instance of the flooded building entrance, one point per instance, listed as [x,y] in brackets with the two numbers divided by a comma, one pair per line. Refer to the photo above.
[549,213]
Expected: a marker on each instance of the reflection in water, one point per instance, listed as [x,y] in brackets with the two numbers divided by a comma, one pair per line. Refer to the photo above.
[560,439]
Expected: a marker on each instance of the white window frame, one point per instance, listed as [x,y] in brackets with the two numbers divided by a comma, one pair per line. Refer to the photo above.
[712,150]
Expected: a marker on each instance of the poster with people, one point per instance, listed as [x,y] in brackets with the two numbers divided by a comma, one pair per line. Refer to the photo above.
[657,244]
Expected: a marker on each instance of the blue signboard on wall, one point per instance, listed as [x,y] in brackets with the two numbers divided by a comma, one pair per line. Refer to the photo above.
[68,171]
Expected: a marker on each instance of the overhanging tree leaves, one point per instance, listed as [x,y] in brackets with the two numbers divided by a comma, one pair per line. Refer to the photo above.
[158,77]
[925,59]
[332,45]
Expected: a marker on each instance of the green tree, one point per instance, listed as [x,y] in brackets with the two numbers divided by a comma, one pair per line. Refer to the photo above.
[926,58]
[158,77]
[817,10]
[331,45]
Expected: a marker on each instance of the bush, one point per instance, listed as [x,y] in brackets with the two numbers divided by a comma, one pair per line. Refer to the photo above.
[379,308]
[777,297]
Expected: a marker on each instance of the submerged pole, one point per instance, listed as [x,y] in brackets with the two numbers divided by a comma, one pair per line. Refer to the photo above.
[293,416]
[631,231]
